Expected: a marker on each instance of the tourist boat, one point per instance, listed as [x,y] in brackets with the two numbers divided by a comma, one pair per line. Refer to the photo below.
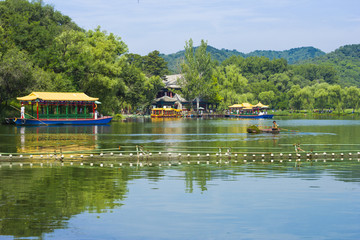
[166,113]
[247,110]
[58,108]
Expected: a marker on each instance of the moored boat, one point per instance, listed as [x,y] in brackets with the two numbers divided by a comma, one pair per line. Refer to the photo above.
[59,108]
[166,113]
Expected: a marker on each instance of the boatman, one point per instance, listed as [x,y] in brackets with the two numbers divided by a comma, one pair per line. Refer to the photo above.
[22,111]
[275,126]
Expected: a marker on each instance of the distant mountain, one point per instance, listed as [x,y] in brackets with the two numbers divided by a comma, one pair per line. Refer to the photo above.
[346,60]
[292,56]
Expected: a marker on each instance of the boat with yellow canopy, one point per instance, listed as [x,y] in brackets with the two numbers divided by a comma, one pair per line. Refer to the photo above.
[53,108]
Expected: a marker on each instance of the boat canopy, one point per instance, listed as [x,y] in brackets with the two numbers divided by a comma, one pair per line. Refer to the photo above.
[57,96]
[248,106]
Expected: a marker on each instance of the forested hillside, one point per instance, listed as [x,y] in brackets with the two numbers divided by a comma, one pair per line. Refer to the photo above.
[346,61]
[43,50]
[292,56]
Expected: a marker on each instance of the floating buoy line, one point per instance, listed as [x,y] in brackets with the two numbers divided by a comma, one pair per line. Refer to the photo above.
[142,158]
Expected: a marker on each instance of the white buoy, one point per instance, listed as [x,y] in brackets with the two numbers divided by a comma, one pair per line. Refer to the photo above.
[281,154]
[120,164]
[254,160]
[21,164]
[101,165]
[198,162]
[245,161]
[71,156]
[82,156]
[281,161]
[31,164]
[350,154]
[254,155]
[159,153]
[111,165]
[271,155]
[169,154]
[159,164]
[179,163]
[111,154]
[150,154]
[131,164]
[262,155]
[31,156]
[333,154]
[236,155]
[71,163]
[91,155]
[179,154]
[262,160]
[198,155]
[289,154]
[41,164]
[91,164]
[324,153]
[217,154]
[271,160]
[101,154]
[10,155]
[324,160]
[207,162]
[169,164]
[120,154]
[207,155]
[188,155]
[130,154]
[188,162]
[245,155]
[21,156]
[81,164]
[62,164]
[140,154]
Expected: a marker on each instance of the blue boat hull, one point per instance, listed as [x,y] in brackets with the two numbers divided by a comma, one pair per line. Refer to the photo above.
[104,120]
[251,116]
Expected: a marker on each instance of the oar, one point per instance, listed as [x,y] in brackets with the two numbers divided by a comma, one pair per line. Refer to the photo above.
[29,115]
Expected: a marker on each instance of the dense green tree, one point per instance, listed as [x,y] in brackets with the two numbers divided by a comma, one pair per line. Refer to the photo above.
[352,97]
[197,70]
[15,74]
[267,97]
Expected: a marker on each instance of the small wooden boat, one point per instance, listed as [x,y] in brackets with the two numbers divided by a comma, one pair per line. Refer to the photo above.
[264,130]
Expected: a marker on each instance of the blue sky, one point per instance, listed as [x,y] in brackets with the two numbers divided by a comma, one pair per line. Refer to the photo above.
[244,25]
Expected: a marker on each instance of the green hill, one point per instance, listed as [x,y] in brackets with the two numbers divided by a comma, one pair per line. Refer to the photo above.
[292,56]
[346,60]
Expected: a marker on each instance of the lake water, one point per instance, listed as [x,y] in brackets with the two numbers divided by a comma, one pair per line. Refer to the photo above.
[180,197]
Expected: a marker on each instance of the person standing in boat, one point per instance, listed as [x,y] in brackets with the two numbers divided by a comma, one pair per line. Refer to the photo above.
[22,111]
[275,126]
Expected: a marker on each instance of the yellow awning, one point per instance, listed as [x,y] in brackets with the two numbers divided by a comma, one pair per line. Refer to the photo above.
[236,106]
[260,105]
[57,96]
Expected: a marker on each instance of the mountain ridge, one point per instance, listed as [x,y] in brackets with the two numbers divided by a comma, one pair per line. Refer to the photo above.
[292,55]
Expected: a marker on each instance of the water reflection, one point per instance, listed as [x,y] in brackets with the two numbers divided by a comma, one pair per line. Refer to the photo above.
[38,200]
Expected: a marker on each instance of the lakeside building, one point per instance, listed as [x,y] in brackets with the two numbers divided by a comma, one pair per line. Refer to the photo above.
[169,96]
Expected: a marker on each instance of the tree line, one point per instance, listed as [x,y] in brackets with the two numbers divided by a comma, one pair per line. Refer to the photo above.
[43,50]
[273,82]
